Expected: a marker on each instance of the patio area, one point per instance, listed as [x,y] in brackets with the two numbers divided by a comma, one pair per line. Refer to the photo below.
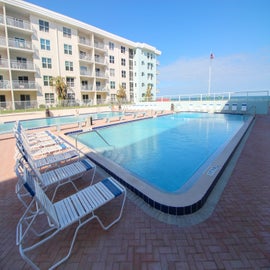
[236,235]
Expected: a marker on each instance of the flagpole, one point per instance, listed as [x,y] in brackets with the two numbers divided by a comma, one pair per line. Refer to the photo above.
[210,74]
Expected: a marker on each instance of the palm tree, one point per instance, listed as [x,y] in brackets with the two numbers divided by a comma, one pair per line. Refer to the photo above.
[60,87]
[121,95]
[148,94]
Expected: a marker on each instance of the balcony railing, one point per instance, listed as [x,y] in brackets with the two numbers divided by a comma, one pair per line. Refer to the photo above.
[2,41]
[86,57]
[99,45]
[85,41]
[86,87]
[101,74]
[21,65]
[100,60]
[101,88]
[5,84]
[86,73]
[3,63]
[24,84]
[20,44]
[15,22]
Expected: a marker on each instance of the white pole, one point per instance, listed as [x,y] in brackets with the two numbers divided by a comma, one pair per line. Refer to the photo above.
[210,74]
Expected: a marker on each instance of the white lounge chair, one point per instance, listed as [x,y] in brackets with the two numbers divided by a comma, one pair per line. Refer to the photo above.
[244,107]
[65,174]
[48,160]
[77,208]
[57,177]
[234,107]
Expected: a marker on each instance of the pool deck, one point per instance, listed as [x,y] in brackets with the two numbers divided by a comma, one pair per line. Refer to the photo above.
[235,236]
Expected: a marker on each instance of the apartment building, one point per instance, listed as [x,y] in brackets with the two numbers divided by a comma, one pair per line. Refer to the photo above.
[37,44]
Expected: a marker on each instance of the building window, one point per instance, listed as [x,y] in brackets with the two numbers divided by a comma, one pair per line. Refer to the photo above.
[45,44]
[47,80]
[124,85]
[111,46]
[67,49]
[112,72]
[3,101]
[43,26]
[49,97]
[112,84]
[123,61]
[142,73]
[123,74]
[46,62]
[85,98]
[70,82]
[111,59]
[66,32]
[69,65]
[123,49]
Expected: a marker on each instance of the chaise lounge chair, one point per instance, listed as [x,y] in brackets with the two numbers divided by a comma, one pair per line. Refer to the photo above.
[77,208]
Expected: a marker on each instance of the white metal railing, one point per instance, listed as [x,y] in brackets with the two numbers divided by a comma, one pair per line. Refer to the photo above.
[99,45]
[212,96]
[17,84]
[3,63]
[14,64]
[101,88]
[5,84]
[87,57]
[2,40]
[85,41]
[12,42]
[100,60]
[86,73]
[86,88]
[15,22]
[101,74]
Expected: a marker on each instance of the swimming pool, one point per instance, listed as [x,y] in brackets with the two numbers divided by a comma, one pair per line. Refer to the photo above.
[56,121]
[168,155]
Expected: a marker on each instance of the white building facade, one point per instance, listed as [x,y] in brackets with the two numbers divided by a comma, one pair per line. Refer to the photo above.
[37,44]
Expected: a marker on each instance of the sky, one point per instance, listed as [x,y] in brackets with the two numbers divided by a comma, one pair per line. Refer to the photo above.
[186,32]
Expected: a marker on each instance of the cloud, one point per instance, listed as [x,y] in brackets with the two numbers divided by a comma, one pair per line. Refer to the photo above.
[236,72]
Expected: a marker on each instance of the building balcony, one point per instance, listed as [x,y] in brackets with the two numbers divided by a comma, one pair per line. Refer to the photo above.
[18,23]
[99,46]
[86,73]
[100,60]
[86,88]
[86,57]
[101,89]
[101,75]
[2,41]
[14,64]
[3,63]
[85,41]
[5,84]
[24,85]
[19,44]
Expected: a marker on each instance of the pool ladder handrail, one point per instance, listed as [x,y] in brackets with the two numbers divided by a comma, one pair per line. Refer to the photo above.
[80,133]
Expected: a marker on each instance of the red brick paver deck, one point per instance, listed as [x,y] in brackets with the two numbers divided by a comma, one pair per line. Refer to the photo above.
[235,236]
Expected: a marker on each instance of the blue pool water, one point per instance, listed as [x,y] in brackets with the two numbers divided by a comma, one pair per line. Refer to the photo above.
[166,152]
[52,121]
